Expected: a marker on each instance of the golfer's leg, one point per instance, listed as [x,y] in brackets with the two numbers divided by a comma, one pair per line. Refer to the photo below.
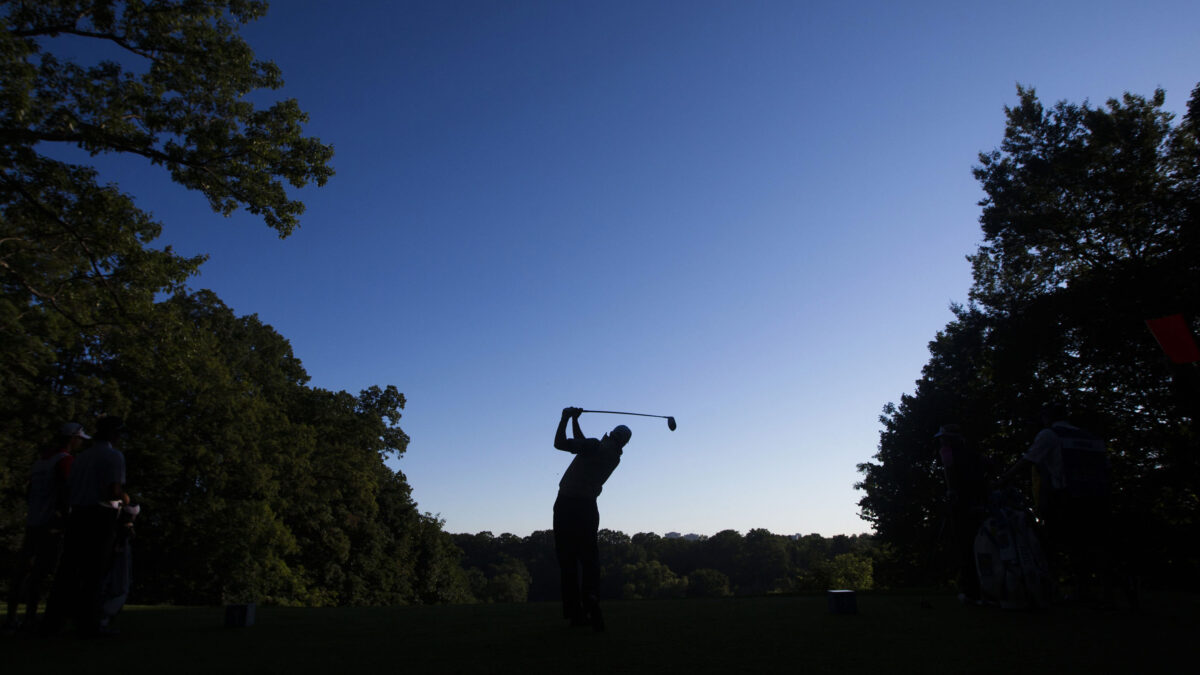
[590,559]
[565,550]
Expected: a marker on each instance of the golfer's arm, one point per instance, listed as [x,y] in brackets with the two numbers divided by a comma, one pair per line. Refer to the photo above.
[576,432]
[560,436]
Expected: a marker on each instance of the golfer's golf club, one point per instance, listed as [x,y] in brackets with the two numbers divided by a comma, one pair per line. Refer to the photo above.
[670,420]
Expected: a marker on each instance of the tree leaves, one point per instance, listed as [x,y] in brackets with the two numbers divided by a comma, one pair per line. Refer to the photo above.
[176,97]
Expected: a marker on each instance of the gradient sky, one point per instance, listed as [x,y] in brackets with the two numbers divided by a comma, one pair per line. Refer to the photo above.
[752,216]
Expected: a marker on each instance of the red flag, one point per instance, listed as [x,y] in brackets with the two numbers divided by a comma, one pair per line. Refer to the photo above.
[1175,338]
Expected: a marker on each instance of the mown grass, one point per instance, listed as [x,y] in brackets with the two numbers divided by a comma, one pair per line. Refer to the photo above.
[892,633]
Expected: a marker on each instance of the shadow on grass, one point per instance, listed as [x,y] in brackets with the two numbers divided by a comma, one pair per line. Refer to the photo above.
[891,633]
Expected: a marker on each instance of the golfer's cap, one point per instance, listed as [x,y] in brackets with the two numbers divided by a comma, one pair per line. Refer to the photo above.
[949,430]
[72,429]
[622,431]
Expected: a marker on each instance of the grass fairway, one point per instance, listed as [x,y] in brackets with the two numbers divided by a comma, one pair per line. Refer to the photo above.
[892,633]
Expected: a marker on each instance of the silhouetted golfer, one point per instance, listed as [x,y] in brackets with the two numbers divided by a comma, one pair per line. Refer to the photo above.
[576,519]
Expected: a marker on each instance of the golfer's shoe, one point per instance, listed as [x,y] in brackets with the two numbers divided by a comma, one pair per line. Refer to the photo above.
[595,615]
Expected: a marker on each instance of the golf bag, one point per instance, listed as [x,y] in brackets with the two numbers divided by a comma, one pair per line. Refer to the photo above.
[1012,567]
[116,582]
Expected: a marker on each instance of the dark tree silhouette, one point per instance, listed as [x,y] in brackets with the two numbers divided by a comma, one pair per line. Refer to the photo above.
[1090,226]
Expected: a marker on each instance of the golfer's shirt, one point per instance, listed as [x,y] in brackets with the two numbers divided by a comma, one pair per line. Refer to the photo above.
[592,466]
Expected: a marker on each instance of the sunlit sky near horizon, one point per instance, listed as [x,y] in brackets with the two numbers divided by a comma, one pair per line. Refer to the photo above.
[752,216]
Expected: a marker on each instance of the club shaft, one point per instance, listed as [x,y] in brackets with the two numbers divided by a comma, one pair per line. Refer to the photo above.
[615,412]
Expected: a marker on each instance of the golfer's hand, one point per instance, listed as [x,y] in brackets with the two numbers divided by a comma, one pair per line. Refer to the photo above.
[572,412]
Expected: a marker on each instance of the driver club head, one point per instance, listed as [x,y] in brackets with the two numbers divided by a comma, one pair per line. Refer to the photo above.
[671,423]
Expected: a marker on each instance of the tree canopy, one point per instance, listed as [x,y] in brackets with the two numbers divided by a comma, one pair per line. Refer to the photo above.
[1090,227]
[175,94]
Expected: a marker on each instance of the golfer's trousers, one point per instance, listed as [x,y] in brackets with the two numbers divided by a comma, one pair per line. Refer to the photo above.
[576,523]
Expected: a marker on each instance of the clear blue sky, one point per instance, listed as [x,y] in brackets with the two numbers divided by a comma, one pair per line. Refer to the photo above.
[752,216]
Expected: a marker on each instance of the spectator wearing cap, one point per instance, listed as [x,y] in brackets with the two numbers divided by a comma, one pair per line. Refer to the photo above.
[1071,485]
[48,505]
[97,490]
[966,497]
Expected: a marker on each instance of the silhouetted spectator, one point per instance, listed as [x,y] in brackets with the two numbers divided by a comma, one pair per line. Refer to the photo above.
[966,497]
[48,506]
[576,518]
[97,485]
[1071,490]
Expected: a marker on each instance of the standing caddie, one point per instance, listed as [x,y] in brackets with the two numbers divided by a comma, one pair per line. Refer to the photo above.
[576,518]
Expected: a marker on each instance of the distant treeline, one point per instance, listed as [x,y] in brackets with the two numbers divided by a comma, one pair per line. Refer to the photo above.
[508,568]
